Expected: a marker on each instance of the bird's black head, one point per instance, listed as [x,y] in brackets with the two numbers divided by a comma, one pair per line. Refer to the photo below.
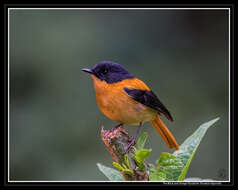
[109,71]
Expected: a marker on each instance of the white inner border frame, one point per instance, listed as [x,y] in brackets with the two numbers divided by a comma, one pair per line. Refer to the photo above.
[165,182]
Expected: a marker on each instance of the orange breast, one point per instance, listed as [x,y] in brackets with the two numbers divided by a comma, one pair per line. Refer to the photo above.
[114,102]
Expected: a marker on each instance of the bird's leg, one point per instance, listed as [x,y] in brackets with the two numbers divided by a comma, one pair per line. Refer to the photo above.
[133,141]
[120,124]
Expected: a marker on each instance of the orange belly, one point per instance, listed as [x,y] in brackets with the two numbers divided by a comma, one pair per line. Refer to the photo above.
[114,102]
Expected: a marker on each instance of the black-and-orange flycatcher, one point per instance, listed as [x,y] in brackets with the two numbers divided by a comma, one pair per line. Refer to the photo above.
[128,100]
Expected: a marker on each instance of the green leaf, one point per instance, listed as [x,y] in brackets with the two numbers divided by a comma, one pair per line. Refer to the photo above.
[128,171]
[155,176]
[169,165]
[141,155]
[140,143]
[111,174]
[117,165]
[126,159]
[123,168]
[188,149]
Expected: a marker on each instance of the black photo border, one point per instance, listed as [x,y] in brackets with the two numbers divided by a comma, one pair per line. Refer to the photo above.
[6,183]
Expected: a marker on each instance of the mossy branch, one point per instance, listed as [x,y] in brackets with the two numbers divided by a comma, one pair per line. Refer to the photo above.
[116,141]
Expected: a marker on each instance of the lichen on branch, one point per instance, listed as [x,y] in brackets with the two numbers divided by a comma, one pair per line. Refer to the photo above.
[116,141]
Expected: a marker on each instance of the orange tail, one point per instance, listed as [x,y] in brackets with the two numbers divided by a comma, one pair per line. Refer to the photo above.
[164,132]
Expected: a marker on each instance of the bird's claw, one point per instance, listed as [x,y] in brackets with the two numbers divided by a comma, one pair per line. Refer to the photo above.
[132,143]
[119,125]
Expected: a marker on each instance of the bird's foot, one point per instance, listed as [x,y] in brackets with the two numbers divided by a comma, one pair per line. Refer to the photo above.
[116,127]
[132,143]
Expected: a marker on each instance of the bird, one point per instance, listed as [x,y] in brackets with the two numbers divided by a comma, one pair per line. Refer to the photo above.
[127,100]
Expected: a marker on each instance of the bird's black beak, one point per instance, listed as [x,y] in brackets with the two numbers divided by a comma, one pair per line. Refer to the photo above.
[87,70]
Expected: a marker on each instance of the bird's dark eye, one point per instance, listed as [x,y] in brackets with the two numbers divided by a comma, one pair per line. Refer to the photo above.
[104,71]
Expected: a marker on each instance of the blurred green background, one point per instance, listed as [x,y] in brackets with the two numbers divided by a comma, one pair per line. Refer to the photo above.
[55,123]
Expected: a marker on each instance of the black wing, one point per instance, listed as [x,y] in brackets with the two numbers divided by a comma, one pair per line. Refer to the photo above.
[149,99]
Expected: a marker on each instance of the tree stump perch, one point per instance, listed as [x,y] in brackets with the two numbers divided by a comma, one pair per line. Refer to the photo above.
[116,141]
